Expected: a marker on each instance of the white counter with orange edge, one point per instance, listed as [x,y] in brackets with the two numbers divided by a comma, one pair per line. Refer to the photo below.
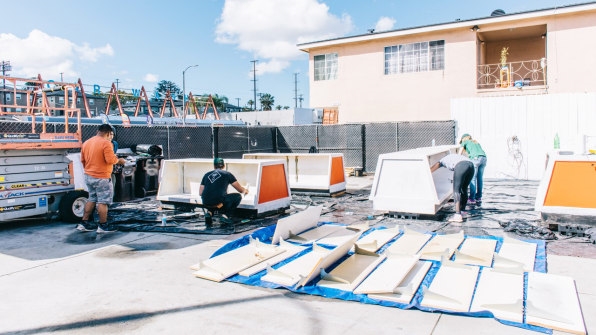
[266,180]
[568,185]
[317,173]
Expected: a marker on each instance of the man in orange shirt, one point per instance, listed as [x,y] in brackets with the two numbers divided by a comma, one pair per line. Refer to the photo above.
[98,158]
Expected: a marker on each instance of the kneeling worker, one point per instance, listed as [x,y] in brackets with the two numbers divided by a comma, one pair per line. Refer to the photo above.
[463,171]
[214,191]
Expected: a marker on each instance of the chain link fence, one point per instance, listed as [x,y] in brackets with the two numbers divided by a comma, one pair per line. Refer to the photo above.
[361,144]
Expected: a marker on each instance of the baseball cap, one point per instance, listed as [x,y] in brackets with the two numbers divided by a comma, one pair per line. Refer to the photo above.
[464,136]
[218,161]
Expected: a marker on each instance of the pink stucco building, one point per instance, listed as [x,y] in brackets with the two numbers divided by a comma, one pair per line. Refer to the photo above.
[414,74]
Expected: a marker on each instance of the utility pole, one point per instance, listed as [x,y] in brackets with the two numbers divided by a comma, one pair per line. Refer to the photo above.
[61,77]
[5,65]
[254,80]
[296,90]
[238,99]
[117,81]
[300,99]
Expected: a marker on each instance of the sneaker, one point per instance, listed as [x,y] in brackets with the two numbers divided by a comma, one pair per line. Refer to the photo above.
[464,215]
[85,226]
[208,219]
[106,228]
[456,218]
[472,202]
[225,221]
[478,202]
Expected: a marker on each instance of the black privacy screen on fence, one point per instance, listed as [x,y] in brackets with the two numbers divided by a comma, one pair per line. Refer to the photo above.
[361,144]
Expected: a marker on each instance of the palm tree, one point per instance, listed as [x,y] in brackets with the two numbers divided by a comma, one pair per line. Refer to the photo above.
[278,107]
[220,101]
[267,100]
[250,103]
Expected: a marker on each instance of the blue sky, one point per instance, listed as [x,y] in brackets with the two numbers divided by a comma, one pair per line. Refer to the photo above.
[142,42]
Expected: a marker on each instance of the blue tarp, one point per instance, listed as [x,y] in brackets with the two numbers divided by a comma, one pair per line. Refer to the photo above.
[265,235]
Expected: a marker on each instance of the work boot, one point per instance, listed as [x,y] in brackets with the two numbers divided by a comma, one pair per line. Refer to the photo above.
[208,219]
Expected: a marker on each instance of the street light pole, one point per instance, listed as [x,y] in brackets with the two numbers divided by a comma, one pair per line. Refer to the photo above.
[184,91]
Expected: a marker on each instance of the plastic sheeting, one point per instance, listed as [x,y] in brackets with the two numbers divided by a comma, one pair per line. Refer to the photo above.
[266,233]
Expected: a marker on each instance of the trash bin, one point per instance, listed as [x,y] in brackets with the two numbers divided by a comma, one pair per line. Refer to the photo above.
[147,175]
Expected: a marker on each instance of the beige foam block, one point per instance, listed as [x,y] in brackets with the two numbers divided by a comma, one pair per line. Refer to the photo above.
[377,238]
[289,274]
[289,251]
[388,275]
[452,287]
[351,272]
[227,264]
[296,223]
[315,234]
[329,259]
[441,245]
[514,252]
[409,243]
[500,293]
[408,287]
[476,251]
[552,302]
[339,236]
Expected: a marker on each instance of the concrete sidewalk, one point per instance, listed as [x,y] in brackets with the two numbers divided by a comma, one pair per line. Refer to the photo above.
[54,279]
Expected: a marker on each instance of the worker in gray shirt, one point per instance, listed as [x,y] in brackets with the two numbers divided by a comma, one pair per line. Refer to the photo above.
[463,171]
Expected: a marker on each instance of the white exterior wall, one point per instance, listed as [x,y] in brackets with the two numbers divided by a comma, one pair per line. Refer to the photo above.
[534,120]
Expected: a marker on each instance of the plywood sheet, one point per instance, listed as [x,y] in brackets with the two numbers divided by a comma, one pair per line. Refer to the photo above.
[315,234]
[351,272]
[452,287]
[408,287]
[289,251]
[296,223]
[388,275]
[501,293]
[377,238]
[552,302]
[289,274]
[441,245]
[329,259]
[476,251]
[514,252]
[227,264]
[409,243]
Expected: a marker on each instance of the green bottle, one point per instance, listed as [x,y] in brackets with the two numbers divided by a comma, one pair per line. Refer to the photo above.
[557,143]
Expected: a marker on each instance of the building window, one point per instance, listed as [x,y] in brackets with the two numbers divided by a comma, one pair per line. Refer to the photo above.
[326,67]
[78,100]
[61,100]
[415,57]
[7,97]
[19,97]
[92,101]
[52,99]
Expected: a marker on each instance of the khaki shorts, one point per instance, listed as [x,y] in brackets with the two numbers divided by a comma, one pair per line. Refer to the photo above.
[101,191]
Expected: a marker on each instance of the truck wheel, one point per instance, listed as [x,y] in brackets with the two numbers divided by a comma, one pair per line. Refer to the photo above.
[72,206]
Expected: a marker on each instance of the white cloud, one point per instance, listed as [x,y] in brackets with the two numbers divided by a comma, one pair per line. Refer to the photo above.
[151,78]
[384,24]
[40,53]
[270,29]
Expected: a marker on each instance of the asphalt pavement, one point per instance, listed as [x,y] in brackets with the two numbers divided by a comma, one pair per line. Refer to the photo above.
[54,279]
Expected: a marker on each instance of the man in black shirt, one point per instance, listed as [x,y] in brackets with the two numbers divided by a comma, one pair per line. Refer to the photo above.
[214,191]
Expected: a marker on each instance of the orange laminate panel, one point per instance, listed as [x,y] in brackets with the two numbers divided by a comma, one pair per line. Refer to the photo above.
[337,171]
[572,184]
[273,183]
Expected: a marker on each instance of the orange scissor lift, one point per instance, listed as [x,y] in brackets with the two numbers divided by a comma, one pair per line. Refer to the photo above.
[36,176]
